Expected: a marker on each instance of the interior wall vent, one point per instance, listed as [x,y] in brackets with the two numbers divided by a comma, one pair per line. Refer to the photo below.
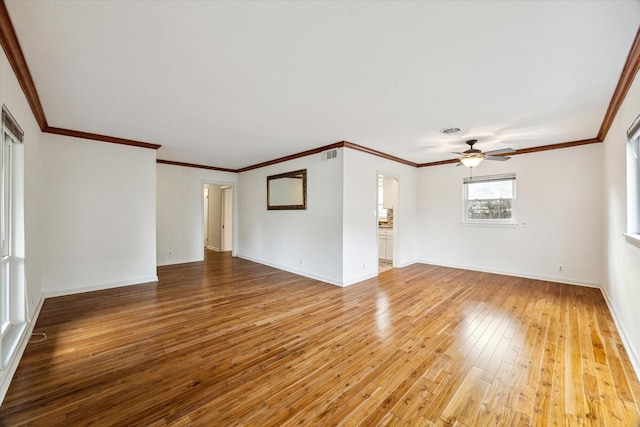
[329,154]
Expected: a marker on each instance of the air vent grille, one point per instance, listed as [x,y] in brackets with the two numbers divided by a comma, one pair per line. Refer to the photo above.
[329,154]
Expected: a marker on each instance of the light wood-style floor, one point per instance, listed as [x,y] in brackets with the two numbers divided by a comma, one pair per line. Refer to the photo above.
[231,342]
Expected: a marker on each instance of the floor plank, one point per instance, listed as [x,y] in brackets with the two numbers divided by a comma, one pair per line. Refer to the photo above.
[231,342]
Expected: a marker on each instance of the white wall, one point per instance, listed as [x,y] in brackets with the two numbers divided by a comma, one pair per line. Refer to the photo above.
[98,215]
[180,209]
[621,284]
[360,237]
[282,238]
[558,197]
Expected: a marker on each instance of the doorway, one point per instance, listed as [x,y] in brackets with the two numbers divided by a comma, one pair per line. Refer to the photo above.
[218,200]
[387,224]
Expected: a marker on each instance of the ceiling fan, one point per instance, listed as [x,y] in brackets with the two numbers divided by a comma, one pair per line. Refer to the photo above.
[472,157]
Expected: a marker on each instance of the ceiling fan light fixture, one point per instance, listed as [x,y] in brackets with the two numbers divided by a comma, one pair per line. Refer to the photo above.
[471,162]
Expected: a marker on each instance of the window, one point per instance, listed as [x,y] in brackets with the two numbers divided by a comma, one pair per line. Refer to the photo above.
[489,199]
[633,179]
[13,307]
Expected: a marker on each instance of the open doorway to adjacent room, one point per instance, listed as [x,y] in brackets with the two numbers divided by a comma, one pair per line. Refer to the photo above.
[217,217]
[387,207]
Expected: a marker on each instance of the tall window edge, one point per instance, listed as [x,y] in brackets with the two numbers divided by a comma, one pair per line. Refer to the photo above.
[632,239]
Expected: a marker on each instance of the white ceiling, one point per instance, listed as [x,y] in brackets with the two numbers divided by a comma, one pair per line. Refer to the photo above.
[231,84]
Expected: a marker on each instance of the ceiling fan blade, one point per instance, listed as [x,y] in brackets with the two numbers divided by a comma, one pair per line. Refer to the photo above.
[498,158]
[501,151]
[453,152]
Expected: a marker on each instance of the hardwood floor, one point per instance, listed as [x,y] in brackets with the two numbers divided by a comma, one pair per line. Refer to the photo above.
[231,342]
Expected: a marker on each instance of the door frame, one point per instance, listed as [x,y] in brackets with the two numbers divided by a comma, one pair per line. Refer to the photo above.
[225,219]
[234,213]
[396,177]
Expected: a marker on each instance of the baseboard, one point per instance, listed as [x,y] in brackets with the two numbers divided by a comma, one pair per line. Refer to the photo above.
[359,279]
[99,287]
[563,280]
[635,360]
[294,271]
[213,248]
[405,263]
[178,261]
[9,372]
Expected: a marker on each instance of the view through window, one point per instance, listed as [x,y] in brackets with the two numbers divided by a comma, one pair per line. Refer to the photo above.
[490,199]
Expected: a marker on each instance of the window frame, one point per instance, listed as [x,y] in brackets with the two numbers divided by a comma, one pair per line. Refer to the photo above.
[633,183]
[498,222]
[13,291]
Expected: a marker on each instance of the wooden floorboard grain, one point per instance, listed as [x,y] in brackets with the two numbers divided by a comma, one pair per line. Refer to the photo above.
[229,342]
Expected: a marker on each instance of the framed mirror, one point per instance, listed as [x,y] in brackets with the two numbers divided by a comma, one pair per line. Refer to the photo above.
[287,191]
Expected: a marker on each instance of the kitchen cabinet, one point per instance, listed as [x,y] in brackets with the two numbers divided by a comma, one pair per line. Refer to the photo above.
[389,193]
[385,244]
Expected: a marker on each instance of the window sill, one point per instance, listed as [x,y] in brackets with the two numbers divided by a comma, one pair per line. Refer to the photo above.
[490,224]
[633,239]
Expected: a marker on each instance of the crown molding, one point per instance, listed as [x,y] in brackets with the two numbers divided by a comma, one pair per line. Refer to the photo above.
[628,74]
[293,156]
[193,165]
[97,137]
[378,153]
[523,151]
[9,41]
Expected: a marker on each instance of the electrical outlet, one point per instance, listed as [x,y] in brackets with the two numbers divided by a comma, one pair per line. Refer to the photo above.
[561,268]
[300,261]
[364,266]
[170,254]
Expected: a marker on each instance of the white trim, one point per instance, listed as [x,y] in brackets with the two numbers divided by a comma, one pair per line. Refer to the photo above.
[7,374]
[179,261]
[294,271]
[360,279]
[213,248]
[234,231]
[633,239]
[633,357]
[405,263]
[489,223]
[563,280]
[506,222]
[99,287]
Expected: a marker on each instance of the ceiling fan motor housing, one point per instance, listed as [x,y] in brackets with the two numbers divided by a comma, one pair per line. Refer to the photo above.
[472,150]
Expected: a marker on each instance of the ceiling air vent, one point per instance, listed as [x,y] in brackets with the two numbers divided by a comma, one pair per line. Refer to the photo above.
[329,154]
[450,131]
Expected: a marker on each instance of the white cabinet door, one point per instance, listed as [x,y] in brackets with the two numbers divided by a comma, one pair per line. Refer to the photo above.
[389,193]
[385,244]
[388,248]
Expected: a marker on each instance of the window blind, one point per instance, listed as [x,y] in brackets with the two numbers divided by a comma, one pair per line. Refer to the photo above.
[10,125]
[487,178]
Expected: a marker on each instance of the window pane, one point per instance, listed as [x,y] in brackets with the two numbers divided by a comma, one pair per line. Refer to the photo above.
[489,209]
[490,190]
[489,200]
[5,319]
